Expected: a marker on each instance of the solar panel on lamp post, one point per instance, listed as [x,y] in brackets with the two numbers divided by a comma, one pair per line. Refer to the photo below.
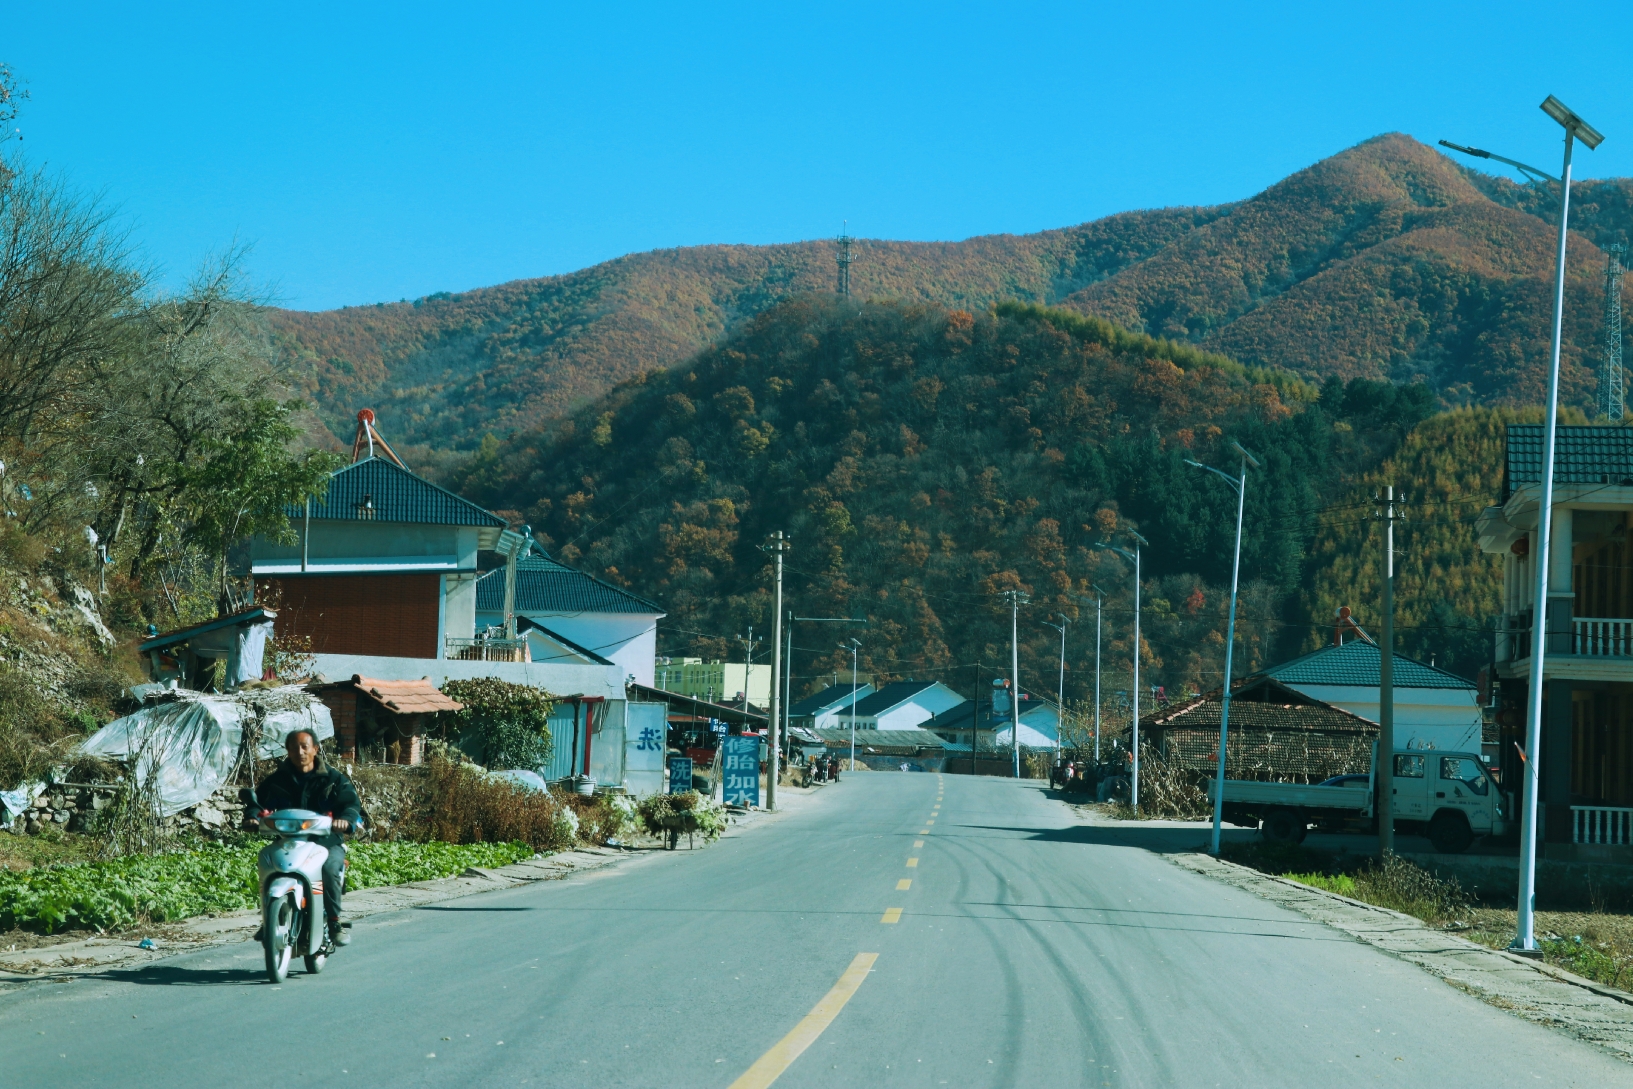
[1240,484]
[1575,129]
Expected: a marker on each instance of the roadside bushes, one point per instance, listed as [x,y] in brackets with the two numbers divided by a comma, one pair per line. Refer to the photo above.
[658,810]
[603,817]
[1168,790]
[462,805]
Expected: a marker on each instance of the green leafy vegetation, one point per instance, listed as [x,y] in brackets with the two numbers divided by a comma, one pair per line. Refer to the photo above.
[506,724]
[662,813]
[166,887]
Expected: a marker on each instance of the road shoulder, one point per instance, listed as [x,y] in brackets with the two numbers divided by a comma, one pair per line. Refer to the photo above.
[1537,992]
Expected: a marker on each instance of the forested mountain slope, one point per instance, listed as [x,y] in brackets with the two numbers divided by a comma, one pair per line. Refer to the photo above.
[1387,261]
[924,460]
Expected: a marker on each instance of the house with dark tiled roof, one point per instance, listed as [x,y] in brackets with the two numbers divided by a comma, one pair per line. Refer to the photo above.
[899,705]
[823,709]
[1586,762]
[575,611]
[1433,708]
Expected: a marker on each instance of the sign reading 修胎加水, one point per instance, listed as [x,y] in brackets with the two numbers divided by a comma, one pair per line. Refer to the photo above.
[740,770]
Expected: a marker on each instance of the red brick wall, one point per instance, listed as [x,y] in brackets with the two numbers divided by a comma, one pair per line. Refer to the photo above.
[390,615]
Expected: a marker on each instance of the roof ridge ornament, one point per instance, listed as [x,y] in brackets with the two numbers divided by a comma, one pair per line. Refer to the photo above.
[366,438]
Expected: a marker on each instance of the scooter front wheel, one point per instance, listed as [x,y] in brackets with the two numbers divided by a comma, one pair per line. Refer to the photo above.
[277,937]
[315,962]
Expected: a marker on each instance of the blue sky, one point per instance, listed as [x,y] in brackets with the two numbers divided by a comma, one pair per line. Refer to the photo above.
[375,152]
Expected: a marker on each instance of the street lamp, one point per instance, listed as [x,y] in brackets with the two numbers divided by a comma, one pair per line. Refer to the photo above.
[1240,484]
[1099,594]
[1134,556]
[853,646]
[1060,694]
[1575,129]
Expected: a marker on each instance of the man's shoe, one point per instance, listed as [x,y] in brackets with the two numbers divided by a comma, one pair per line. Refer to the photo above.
[340,933]
[260,932]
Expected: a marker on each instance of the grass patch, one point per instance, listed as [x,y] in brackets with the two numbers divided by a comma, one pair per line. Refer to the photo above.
[1393,883]
[1596,945]
[124,892]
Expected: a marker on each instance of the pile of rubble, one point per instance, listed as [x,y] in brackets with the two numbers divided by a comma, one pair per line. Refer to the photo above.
[74,807]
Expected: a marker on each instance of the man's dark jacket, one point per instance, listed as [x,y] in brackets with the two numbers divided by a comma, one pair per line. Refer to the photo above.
[322,790]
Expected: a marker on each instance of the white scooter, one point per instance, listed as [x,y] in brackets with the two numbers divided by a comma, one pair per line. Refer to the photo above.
[291,872]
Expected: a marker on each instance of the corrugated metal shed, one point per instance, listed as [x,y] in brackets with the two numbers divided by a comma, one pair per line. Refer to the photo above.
[1582,455]
[888,742]
[377,490]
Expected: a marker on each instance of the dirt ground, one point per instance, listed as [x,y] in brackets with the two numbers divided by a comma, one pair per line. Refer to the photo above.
[1595,944]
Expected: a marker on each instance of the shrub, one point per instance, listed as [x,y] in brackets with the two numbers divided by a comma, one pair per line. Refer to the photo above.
[507,724]
[462,805]
[603,817]
[710,815]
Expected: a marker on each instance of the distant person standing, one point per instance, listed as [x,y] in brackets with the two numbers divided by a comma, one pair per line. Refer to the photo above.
[833,769]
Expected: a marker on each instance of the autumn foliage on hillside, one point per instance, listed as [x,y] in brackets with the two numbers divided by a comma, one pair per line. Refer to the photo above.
[925,460]
[1388,261]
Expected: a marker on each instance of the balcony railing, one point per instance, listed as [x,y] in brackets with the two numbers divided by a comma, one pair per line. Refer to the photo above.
[482,649]
[1602,638]
[1593,637]
[1601,824]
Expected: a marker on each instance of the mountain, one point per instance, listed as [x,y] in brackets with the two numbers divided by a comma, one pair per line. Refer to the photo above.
[1386,261]
[923,460]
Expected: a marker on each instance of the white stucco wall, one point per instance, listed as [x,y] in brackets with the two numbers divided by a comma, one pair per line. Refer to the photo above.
[629,640]
[918,708]
[1440,718]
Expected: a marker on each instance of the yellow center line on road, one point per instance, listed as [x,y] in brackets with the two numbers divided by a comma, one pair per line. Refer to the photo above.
[904,884]
[912,862]
[924,831]
[891,915]
[932,820]
[918,843]
[770,1066]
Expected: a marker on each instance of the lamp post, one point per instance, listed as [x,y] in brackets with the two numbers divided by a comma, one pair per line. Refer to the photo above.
[1240,484]
[1575,129]
[853,646]
[1060,692]
[1099,594]
[1134,557]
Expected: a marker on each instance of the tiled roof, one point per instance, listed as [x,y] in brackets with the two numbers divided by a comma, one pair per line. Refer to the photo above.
[832,696]
[378,490]
[250,615]
[840,737]
[1356,663]
[419,697]
[1248,714]
[544,585]
[1582,455]
[891,695]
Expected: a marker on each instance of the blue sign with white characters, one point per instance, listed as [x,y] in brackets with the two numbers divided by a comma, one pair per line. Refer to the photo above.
[740,770]
[680,774]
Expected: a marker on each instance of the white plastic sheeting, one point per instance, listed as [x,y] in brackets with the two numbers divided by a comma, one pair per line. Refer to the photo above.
[248,649]
[13,802]
[186,747]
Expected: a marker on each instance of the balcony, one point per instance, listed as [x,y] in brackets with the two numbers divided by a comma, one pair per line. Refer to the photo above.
[1591,637]
[485,649]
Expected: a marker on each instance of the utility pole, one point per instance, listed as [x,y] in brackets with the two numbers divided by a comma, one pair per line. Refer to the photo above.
[853,648]
[1612,380]
[748,668]
[1060,692]
[779,545]
[844,261]
[1098,595]
[1016,600]
[1383,773]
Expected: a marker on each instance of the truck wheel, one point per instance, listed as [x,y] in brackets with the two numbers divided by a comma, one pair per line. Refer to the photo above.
[1282,826]
[1449,832]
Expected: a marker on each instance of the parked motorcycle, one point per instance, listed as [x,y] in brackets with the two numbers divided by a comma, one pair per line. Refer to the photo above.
[291,872]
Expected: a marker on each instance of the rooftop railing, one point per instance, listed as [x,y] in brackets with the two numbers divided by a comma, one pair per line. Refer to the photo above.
[481,649]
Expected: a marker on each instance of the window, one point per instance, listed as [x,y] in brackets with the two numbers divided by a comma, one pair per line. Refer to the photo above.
[1455,769]
[1408,767]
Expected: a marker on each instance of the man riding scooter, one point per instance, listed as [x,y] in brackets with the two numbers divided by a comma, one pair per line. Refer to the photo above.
[304,781]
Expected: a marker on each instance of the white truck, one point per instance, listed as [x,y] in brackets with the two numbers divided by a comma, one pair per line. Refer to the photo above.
[1448,796]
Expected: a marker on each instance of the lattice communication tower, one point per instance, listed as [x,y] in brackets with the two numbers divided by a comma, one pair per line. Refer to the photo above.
[1612,379]
[844,260]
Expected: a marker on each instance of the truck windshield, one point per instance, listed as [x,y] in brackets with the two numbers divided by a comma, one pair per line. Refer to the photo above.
[1465,771]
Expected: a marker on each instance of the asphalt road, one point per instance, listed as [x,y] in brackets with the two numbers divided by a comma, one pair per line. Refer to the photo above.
[1029,951]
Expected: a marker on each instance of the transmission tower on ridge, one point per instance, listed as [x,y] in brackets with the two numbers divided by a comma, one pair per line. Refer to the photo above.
[1612,381]
[844,260]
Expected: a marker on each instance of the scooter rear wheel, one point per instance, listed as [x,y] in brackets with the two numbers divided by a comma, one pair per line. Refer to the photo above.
[277,938]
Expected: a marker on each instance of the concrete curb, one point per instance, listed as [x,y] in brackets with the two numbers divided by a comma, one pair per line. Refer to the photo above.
[1541,993]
